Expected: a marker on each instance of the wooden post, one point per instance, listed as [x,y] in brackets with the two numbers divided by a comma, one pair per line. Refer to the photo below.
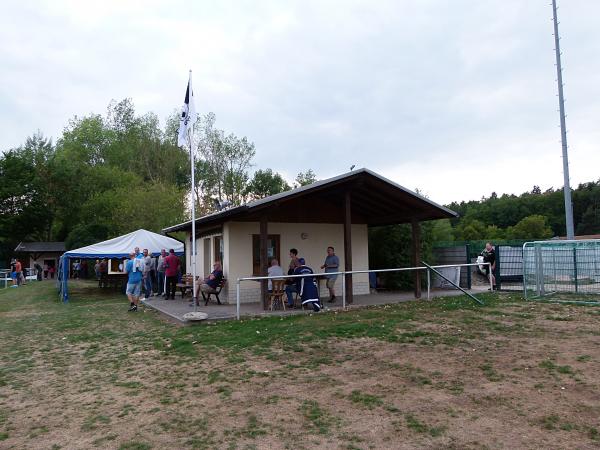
[263,259]
[348,245]
[416,253]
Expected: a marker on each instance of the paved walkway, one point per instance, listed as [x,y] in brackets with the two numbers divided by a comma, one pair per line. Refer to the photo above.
[175,309]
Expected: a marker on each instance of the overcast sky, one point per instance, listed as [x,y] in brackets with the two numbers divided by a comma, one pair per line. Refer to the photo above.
[456,98]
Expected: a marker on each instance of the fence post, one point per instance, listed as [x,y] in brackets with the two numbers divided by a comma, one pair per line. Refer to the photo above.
[468,268]
[344,291]
[429,283]
[575,266]
[497,270]
[237,299]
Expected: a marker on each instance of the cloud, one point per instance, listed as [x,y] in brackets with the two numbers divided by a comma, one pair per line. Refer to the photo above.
[431,93]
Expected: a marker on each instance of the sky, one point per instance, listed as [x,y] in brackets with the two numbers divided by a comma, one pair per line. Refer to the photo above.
[454,98]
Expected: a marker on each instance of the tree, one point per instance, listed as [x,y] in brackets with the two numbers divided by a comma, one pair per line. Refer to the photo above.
[23,196]
[86,234]
[305,178]
[223,165]
[530,227]
[590,220]
[442,231]
[471,230]
[265,183]
[152,206]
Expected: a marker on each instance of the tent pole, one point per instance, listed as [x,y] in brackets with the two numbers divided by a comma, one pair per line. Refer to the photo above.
[193,253]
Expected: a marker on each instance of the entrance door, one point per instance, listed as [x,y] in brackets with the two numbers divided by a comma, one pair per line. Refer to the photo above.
[272,251]
[206,257]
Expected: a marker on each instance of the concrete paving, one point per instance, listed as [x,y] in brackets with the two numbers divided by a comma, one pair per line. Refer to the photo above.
[175,309]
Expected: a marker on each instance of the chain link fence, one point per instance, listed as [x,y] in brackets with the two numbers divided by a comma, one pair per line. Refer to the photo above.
[566,269]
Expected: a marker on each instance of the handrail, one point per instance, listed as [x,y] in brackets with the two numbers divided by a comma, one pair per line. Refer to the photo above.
[428,268]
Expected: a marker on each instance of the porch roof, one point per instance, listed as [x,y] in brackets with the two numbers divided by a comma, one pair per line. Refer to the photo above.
[375,200]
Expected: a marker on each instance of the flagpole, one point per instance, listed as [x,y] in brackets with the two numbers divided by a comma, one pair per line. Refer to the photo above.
[194,299]
[190,143]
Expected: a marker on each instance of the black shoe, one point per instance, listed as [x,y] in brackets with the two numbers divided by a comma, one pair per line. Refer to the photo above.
[132,308]
[331,300]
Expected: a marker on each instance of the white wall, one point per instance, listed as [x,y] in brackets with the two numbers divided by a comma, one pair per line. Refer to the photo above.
[238,252]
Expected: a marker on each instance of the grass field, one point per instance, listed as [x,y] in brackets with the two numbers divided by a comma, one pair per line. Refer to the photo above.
[442,374]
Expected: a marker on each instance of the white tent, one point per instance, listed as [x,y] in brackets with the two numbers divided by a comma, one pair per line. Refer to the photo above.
[118,247]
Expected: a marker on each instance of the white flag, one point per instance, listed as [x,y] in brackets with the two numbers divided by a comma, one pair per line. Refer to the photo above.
[188,115]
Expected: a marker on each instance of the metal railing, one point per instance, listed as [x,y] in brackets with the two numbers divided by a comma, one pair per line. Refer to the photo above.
[428,269]
[5,276]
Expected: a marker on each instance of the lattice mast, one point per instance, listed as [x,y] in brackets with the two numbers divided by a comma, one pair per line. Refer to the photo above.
[563,130]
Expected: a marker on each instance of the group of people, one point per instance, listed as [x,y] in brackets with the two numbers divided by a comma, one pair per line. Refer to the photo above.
[79,269]
[143,270]
[16,273]
[306,286]
[18,276]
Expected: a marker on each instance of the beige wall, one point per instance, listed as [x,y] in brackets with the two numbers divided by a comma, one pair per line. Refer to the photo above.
[237,238]
[40,260]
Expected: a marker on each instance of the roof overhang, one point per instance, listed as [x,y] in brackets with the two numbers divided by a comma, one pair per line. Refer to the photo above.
[375,201]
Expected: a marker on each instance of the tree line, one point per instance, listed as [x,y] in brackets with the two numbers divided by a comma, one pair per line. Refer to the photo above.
[110,174]
[531,215]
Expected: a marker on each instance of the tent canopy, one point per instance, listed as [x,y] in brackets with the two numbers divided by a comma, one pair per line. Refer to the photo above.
[121,246]
[118,247]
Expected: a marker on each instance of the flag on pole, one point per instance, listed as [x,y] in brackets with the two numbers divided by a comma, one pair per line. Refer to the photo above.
[188,114]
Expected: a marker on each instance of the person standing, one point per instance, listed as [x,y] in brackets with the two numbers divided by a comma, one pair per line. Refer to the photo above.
[332,264]
[38,271]
[103,269]
[13,274]
[148,271]
[290,289]
[134,282]
[19,271]
[97,269]
[45,270]
[160,270]
[171,270]
[489,256]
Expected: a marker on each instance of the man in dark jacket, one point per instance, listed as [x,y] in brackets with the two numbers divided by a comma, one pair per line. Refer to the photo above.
[307,286]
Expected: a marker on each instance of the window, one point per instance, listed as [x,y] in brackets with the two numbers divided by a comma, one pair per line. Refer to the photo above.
[219,249]
[272,251]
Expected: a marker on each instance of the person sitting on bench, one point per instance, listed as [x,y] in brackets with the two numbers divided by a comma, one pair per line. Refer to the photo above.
[211,282]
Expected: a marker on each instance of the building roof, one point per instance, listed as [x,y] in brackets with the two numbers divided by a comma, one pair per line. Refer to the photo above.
[40,247]
[121,246]
[375,200]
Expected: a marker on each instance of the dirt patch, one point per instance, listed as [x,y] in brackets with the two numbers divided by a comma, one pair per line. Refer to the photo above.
[510,376]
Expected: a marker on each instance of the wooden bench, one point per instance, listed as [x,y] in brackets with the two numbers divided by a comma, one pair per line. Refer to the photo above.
[185,285]
[216,292]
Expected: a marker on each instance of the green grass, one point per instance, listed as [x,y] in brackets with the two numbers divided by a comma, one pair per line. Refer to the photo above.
[367,400]
[413,423]
[156,371]
[490,373]
[318,418]
[133,445]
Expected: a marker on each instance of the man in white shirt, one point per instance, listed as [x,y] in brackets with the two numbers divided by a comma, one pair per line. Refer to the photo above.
[148,271]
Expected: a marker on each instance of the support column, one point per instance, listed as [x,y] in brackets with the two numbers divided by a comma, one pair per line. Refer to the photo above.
[416,253]
[263,259]
[348,245]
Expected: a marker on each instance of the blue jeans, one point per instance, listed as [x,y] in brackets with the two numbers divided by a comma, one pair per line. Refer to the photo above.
[289,291]
[148,284]
[161,282]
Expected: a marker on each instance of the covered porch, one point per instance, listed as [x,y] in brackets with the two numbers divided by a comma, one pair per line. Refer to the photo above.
[175,309]
[352,201]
